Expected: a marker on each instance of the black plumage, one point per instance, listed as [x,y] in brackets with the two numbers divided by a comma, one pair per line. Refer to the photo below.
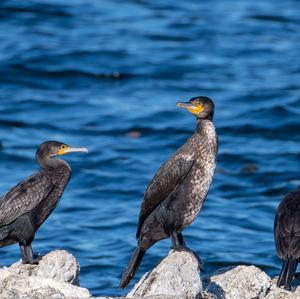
[176,193]
[27,205]
[287,236]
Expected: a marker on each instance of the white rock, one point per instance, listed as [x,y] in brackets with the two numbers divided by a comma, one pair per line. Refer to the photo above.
[148,297]
[280,293]
[52,278]
[61,266]
[176,275]
[241,282]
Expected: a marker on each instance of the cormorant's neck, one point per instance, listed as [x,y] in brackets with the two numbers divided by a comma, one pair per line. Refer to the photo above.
[201,121]
[47,162]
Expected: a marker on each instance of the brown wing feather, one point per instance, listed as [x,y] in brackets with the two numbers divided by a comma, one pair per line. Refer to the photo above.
[24,197]
[169,175]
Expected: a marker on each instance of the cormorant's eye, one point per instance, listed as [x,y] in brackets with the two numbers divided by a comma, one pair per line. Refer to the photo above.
[63,146]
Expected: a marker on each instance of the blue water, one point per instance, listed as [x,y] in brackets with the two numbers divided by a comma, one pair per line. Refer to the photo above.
[106,74]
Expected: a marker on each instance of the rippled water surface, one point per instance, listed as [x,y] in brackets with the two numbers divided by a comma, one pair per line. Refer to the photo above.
[106,74]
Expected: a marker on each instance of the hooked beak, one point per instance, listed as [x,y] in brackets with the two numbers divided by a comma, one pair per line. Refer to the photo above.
[70,149]
[191,107]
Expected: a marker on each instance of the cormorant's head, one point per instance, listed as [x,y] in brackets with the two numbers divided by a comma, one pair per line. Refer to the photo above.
[51,149]
[202,107]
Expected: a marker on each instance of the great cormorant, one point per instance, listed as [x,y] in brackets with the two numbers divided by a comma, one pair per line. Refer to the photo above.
[27,205]
[177,192]
[287,236]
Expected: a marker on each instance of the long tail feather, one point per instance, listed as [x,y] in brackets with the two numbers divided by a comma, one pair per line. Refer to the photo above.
[287,273]
[132,267]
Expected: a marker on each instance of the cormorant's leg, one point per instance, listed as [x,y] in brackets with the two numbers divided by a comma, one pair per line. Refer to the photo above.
[27,255]
[181,240]
[177,241]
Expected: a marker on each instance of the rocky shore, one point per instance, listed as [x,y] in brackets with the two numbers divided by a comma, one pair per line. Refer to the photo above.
[176,277]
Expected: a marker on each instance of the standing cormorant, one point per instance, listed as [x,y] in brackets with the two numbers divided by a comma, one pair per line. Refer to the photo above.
[177,192]
[287,236]
[26,206]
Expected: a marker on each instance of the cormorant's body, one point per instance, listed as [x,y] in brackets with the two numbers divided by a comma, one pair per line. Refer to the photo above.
[26,206]
[287,236]
[177,192]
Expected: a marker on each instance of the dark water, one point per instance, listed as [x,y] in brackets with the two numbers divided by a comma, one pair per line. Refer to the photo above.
[106,74]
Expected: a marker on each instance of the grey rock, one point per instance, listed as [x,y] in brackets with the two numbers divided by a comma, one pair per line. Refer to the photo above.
[176,275]
[279,293]
[241,282]
[53,278]
[61,266]
[148,297]
[58,265]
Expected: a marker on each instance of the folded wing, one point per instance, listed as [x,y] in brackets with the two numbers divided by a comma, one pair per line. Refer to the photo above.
[24,197]
[165,181]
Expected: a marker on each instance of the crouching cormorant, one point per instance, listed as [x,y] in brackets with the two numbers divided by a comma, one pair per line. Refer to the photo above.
[177,192]
[27,205]
[287,237]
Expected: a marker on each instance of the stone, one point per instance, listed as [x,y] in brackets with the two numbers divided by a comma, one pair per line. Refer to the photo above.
[148,297]
[176,275]
[56,276]
[61,266]
[280,293]
[240,282]
[58,265]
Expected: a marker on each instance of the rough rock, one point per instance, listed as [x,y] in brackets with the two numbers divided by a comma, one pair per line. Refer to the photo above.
[56,276]
[58,265]
[148,297]
[279,293]
[240,282]
[176,275]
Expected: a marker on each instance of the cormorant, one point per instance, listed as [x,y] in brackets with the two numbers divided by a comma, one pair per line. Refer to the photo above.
[287,237]
[177,192]
[27,205]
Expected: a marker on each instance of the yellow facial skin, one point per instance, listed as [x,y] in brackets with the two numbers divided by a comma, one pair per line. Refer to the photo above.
[193,107]
[63,150]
